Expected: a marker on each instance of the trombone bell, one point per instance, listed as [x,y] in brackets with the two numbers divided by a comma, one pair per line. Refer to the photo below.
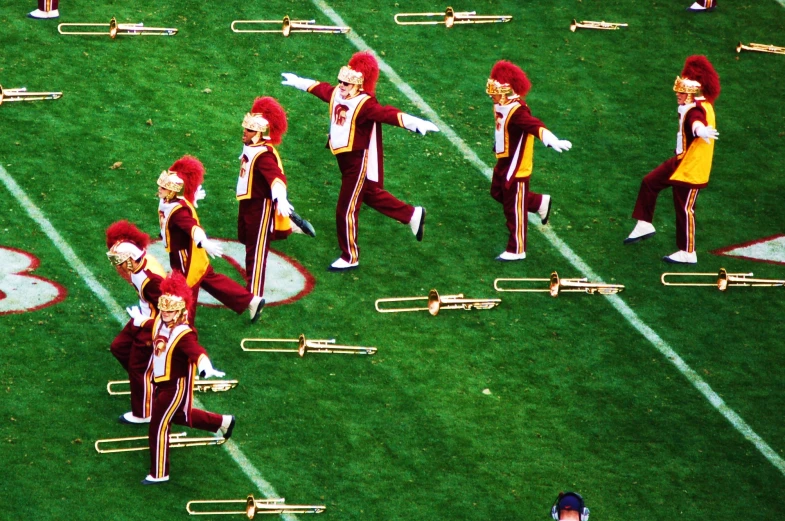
[116,29]
[253,507]
[289,26]
[558,285]
[585,24]
[724,280]
[307,346]
[451,18]
[177,439]
[21,94]
[200,386]
[760,47]
[437,303]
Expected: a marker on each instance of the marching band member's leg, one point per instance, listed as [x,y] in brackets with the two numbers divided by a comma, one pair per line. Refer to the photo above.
[651,186]
[347,211]
[256,228]
[387,204]
[541,204]
[140,375]
[46,9]
[684,199]
[168,400]
[227,291]
[515,213]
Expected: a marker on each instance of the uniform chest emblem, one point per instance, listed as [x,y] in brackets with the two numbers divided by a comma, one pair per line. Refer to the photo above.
[244,166]
[339,114]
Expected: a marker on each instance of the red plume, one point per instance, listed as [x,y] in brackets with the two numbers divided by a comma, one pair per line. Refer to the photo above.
[366,63]
[175,284]
[511,74]
[274,114]
[698,68]
[191,171]
[124,231]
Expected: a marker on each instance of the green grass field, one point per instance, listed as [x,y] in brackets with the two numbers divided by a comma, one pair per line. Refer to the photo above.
[579,398]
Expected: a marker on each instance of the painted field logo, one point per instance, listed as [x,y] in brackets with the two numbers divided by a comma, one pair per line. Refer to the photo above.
[769,249]
[19,290]
[285,281]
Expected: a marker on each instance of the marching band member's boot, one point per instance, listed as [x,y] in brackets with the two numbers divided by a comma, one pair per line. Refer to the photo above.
[643,230]
[342,265]
[131,419]
[507,256]
[227,426]
[255,307]
[682,257]
[417,224]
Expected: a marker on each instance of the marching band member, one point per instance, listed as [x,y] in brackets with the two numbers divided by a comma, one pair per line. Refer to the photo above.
[701,6]
[46,9]
[265,213]
[516,129]
[187,243]
[688,171]
[356,141]
[133,347]
[177,357]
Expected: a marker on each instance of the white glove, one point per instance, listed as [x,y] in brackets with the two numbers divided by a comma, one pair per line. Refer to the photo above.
[212,248]
[293,80]
[550,140]
[284,208]
[206,369]
[706,132]
[136,314]
[417,124]
[199,195]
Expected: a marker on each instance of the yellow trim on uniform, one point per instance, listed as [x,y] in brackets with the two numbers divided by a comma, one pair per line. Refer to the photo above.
[352,126]
[168,366]
[506,151]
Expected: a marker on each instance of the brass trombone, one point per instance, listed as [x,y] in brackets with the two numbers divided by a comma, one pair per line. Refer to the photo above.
[307,346]
[558,285]
[290,26]
[437,303]
[724,280]
[585,24]
[176,439]
[759,47]
[21,94]
[451,18]
[253,506]
[116,29]
[200,386]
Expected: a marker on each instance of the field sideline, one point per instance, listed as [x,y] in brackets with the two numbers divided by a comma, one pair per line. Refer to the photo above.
[576,398]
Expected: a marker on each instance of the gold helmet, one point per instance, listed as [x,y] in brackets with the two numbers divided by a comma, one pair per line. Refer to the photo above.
[350,76]
[688,87]
[123,252]
[176,295]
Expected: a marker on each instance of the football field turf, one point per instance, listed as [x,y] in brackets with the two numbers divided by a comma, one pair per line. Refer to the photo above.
[658,403]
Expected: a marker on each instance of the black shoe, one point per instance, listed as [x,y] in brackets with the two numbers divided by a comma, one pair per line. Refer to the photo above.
[544,220]
[304,225]
[421,228]
[255,316]
[228,433]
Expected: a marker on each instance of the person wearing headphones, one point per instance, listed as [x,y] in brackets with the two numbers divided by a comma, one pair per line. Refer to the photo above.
[569,506]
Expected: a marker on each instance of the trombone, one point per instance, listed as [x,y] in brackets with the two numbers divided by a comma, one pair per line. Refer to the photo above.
[21,94]
[177,439]
[451,18]
[253,506]
[116,29]
[585,24]
[724,280]
[201,386]
[289,26]
[437,303]
[307,346]
[760,47]
[558,285]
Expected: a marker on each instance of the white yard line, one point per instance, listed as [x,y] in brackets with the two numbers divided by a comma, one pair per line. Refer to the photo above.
[632,318]
[781,2]
[119,314]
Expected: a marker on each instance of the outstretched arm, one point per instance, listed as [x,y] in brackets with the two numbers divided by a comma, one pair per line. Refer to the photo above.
[392,116]
[323,91]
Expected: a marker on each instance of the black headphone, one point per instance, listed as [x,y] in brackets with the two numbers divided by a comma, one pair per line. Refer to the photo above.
[584,512]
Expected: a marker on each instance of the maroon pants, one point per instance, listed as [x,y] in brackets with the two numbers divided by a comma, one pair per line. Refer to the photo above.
[684,199]
[516,201]
[133,348]
[48,5]
[173,404]
[356,189]
[255,227]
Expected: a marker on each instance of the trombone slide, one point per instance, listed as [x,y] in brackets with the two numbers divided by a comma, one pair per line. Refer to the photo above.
[587,24]
[724,280]
[760,47]
[307,346]
[177,439]
[451,17]
[21,94]
[438,302]
[116,29]
[558,285]
[200,386]
[253,506]
[288,26]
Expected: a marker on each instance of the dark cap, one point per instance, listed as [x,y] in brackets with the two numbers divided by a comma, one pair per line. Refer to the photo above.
[569,502]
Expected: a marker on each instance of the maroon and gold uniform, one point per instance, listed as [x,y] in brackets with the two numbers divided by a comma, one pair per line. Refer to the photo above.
[46,9]
[702,5]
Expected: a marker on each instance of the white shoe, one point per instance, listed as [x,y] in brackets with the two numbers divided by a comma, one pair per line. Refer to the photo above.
[342,265]
[507,256]
[642,230]
[417,223]
[150,480]
[545,209]
[682,257]
[42,15]
[696,8]
[130,418]
[255,307]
